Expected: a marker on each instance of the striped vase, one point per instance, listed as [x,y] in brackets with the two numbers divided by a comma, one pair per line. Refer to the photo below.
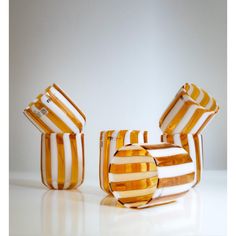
[62,160]
[189,112]
[147,175]
[55,112]
[110,141]
[193,144]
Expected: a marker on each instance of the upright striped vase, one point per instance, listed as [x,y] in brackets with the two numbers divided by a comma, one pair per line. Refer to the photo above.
[193,144]
[54,112]
[189,112]
[110,141]
[62,160]
[147,175]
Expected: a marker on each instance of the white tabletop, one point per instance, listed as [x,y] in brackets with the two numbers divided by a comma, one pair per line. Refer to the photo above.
[34,210]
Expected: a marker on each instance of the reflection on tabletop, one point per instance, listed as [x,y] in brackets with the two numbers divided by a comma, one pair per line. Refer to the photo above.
[180,216]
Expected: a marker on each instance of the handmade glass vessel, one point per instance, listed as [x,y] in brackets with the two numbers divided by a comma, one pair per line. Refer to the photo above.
[110,141]
[147,175]
[193,144]
[62,160]
[189,112]
[54,112]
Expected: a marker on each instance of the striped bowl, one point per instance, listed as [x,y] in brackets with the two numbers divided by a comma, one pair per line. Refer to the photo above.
[55,112]
[189,112]
[110,141]
[146,175]
[62,160]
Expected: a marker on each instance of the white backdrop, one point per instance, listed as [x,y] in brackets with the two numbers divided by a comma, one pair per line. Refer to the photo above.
[121,61]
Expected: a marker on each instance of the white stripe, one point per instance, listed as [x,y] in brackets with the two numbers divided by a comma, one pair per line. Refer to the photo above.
[127,137]
[133,193]
[68,104]
[44,160]
[54,161]
[167,152]
[46,120]
[177,140]
[176,189]
[191,88]
[68,160]
[80,158]
[185,119]
[133,159]
[209,104]
[131,176]
[132,147]
[200,96]
[176,170]
[141,137]
[51,105]
[200,122]
[172,114]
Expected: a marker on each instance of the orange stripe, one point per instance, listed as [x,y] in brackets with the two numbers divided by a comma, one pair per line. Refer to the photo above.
[173,160]
[184,142]
[170,138]
[174,181]
[195,92]
[106,160]
[134,185]
[134,136]
[61,161]
[198,161]
[41,162]
[178,117]
[205,99]
[100,159]
[120,139]
[130,153]
[192,122]
[38,121]
[132,168]
[135,199]
[48,160]
[72,103]
[145,136]
[66,110]
[53,117]
[205,123]
[74,167]
[83,168]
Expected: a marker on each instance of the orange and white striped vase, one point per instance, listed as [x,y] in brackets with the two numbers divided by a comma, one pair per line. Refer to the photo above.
[110,141]
[62,160]
[193,144]
[189,112]
[146,175]
[54,112]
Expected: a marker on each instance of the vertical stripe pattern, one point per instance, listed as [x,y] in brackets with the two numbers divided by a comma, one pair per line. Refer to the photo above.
[143,175]
[193,145]
[62,160]
[110,142]
[189,112]
[54,112]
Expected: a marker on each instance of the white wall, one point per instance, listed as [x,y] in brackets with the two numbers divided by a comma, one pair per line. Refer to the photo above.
[121,61]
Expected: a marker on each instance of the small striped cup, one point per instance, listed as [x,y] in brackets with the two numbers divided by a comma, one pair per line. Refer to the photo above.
[55,112]
[110,141]
[62,160]
[189,112]
[147,175]
[193,144]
